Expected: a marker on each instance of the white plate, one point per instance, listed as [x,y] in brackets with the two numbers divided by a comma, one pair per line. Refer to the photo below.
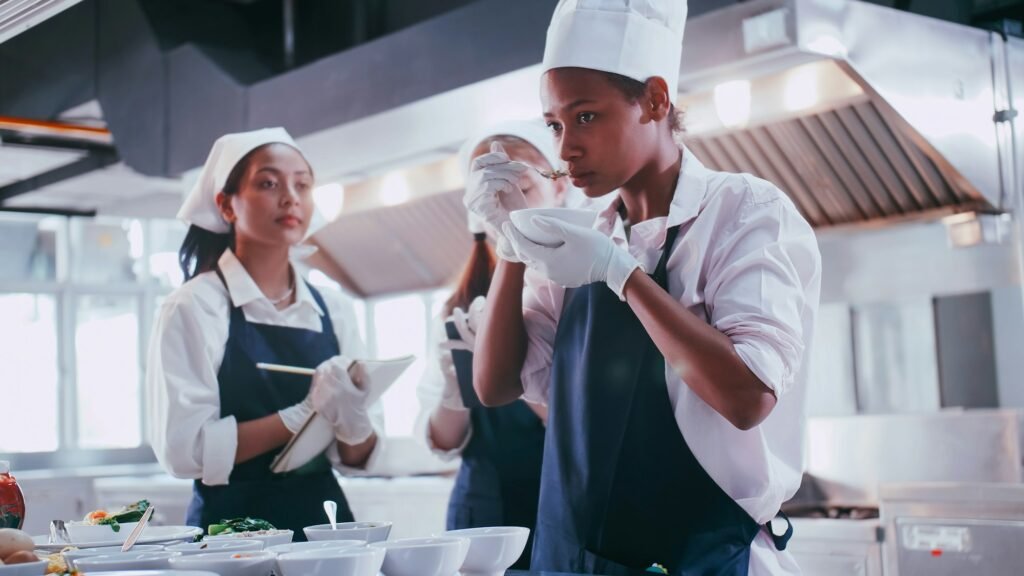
[151,535]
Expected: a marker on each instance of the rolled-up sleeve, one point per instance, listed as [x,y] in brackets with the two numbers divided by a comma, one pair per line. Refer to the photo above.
[187,434]
[758,285]
[542,302]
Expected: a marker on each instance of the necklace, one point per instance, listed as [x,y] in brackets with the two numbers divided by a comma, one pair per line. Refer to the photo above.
[287,295]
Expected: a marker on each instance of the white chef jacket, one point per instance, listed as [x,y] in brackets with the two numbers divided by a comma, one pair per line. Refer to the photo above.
[747,263]
[185,428]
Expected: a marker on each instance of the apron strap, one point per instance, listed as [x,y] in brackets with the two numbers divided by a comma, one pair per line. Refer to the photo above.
[780,541]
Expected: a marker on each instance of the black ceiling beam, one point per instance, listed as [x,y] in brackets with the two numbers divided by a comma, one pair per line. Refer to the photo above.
[48,211]
[94,161]
[18,138]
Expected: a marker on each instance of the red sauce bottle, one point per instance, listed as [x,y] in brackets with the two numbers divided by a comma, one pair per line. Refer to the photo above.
[12,501]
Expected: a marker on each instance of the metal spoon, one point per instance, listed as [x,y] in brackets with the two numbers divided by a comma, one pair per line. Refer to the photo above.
[137,532]
[59,532]
[331,508]
[551,174]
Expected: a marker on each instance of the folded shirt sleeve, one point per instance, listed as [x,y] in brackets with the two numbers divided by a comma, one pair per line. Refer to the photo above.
[187,434]
[542,302]
[760,284]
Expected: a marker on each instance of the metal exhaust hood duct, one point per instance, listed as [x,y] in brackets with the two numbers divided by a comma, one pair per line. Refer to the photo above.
[860,113]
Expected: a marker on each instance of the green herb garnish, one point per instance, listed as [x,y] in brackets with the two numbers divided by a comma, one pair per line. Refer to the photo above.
[130,513]
[236,525]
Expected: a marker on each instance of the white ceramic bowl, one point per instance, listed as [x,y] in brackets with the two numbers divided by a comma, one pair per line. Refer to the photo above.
[268,537]
[365,531]
[352,561]
[233,563]
[440,556]
[523,221]
[491,550]
[82,533]
[70,556]
[191,548]
[321,545]
[26,569]
[126,561]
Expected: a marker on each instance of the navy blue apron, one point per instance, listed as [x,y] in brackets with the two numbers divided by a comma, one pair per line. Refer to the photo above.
[620,488]
[498,483]
[292,500]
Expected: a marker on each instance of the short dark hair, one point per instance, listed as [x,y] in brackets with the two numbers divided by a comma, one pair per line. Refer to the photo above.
[633,90]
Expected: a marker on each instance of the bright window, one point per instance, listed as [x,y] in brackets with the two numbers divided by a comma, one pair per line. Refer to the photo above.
[28,385]
[108,375]
[400,328]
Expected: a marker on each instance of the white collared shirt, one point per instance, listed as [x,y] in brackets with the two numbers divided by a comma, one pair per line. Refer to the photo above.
[747,263]
[185,428]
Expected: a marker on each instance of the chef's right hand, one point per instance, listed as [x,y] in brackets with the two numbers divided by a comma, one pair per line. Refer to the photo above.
[337,398]
[492,191]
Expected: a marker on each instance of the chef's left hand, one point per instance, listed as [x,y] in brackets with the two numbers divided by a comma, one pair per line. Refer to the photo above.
[584,256]
[337,398]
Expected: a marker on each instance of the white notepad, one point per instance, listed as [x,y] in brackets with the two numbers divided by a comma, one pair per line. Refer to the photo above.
[316,433]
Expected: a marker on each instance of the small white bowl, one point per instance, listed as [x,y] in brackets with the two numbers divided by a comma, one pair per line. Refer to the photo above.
[192,548]
[321,545]
[523,221]
[234,563]
[70,556]
[491,550]
[126,561]
[82,533]
[365,531]
[25,569]
[440,556]
[352,561]
[268,537]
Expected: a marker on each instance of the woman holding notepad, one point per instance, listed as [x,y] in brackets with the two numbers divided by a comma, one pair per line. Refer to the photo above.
[214,415]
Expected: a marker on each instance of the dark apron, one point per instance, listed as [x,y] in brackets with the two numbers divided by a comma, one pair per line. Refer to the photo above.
[292,500]
[620,488]
[499,480]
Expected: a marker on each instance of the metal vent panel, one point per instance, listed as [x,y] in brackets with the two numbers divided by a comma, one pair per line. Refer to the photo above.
[415,246]
[852,164]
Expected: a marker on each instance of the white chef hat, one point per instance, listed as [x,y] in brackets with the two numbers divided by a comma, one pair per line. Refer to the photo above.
[200,206]
[533,132]
[638,39]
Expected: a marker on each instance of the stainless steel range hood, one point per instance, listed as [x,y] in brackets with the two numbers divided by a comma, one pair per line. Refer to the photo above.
[859,112]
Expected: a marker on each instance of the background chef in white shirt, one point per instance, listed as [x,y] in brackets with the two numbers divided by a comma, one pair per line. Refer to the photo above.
[674,367]
[213,415]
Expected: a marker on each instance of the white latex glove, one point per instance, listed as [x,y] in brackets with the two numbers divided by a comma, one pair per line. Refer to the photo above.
[451,396]
[342,403]
[492,191]
[467,324]
[294,416]
[584,256]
